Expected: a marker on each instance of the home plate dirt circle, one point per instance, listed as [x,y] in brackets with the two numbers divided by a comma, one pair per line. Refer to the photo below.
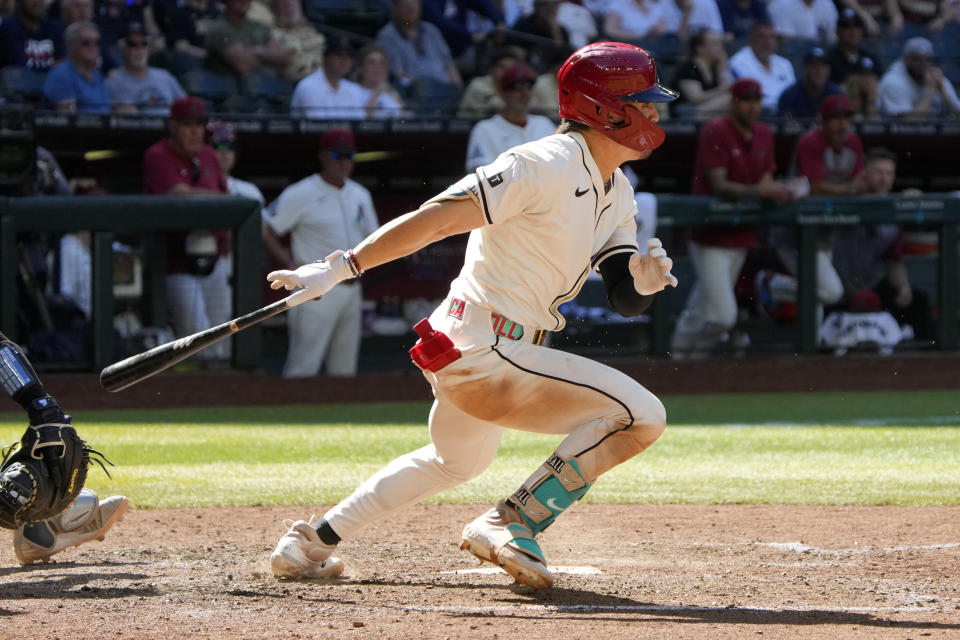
[624,571]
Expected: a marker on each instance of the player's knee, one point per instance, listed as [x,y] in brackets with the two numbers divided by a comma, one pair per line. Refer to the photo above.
[648,426]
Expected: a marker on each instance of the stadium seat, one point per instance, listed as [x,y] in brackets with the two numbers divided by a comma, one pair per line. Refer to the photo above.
[20,84]
[212,87]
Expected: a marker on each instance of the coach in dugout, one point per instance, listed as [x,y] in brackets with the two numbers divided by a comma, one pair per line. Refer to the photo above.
[323,211]
[197,286]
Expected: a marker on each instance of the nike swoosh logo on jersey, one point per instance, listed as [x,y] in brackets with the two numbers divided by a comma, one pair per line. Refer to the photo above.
[579,193]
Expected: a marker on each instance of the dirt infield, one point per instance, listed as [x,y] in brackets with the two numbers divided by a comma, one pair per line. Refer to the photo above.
[659,572]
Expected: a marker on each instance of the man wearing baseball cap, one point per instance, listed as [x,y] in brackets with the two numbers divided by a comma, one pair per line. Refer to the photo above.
[846,54]
[513,125]
[198,292]
[322,212]
[913,88]
[803,98]
[735,159]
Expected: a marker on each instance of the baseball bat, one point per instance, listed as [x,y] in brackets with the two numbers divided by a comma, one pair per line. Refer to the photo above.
[132,370]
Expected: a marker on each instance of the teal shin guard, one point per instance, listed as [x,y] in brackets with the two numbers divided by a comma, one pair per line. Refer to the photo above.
[548,493]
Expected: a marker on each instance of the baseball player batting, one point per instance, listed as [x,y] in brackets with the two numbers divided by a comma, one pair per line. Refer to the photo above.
[540,217]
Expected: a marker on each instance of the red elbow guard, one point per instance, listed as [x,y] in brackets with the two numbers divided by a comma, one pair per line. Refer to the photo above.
[434,350]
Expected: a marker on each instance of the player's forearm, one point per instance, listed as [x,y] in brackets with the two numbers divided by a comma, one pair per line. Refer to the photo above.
[415,230]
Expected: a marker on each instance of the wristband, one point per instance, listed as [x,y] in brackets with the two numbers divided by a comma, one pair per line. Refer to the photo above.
[352,263]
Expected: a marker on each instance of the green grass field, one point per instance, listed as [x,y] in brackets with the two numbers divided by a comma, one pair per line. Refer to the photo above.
[796,448]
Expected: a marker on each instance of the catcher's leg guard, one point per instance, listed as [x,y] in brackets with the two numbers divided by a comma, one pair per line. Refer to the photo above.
[20,381]
[549,491]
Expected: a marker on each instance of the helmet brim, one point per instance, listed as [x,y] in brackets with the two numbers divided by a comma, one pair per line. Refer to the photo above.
[656,93]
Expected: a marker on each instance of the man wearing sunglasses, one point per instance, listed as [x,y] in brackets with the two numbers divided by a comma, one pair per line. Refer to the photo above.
[321,213]
[137,87]
[76,85]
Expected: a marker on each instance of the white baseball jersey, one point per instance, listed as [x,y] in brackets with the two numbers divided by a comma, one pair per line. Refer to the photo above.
[321,218]
[549,221]
[491,137]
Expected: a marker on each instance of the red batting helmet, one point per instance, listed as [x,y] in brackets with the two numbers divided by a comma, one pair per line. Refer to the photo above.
[599,79]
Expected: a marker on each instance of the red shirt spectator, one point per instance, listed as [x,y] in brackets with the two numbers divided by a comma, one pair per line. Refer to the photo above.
[183,165]
[831,156]
[746,159]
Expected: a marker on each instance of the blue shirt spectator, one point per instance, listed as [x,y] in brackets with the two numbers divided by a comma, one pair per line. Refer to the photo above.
[451,18]
[739,16]
[802,99]
[416,48]
[76,84]
[29,39]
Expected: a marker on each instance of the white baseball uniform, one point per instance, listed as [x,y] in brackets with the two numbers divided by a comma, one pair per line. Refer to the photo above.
[320,219]
[549,220]
[491,137]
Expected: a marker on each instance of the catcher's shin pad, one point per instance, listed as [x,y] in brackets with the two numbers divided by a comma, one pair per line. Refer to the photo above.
[43,474]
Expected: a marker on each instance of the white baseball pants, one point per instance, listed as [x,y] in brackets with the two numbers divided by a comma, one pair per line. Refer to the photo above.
[711,307]
[195,303]
[606,416]
[325,331]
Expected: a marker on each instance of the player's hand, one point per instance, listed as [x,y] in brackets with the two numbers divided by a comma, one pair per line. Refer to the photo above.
[651,272]
[319,277]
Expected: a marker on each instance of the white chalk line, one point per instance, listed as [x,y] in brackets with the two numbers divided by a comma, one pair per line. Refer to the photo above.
[640,608]
[799,547]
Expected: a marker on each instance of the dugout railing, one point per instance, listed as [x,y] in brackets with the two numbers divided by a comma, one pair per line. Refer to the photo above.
[148,216]
[938,210]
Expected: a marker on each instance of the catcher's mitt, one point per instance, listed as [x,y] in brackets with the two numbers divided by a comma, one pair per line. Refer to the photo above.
[42,474]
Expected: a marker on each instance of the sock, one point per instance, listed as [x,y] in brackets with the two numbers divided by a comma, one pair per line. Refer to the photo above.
[326,533]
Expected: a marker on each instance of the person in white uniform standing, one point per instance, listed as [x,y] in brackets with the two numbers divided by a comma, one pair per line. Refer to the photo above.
[322,212]
[540,217]
[513,125]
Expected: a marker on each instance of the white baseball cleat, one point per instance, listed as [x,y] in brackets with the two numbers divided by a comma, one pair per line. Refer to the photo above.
[301,554]
[509,545]
[86,519]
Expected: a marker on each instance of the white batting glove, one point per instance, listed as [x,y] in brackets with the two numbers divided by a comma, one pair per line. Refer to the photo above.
[319,277]
[651,272]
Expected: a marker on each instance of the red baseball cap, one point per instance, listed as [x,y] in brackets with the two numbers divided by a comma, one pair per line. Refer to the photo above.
[836,105]
[746,88]
[337,140]
[517,74]
[189,108]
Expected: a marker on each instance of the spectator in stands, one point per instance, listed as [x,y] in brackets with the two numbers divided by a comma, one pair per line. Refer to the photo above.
[735,159]
[802,99]
[223,140]
[701,79]
[238,45]
[933,15]
[847,53]
[197,285]
[579,22]
[481,99]
[136,87]
[870,258]
[452,20]
[684,17]
[373,75]
[814,20]
[320,213]
[876,16]
[113,17]
[185,23]
[861,87]
[76,11]
[543,22]
[739,16]
[914,89]
[297,34]
[76,84]
[513,125]
[635,20]
[830,157]
[326,93]
[416,49]
[545,100]
[757,60]
[30,39]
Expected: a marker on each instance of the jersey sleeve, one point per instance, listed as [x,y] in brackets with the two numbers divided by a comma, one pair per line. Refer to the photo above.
[624,236]
[502,189]
[159,174]
[810,160]
[714,151]
[284,213]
